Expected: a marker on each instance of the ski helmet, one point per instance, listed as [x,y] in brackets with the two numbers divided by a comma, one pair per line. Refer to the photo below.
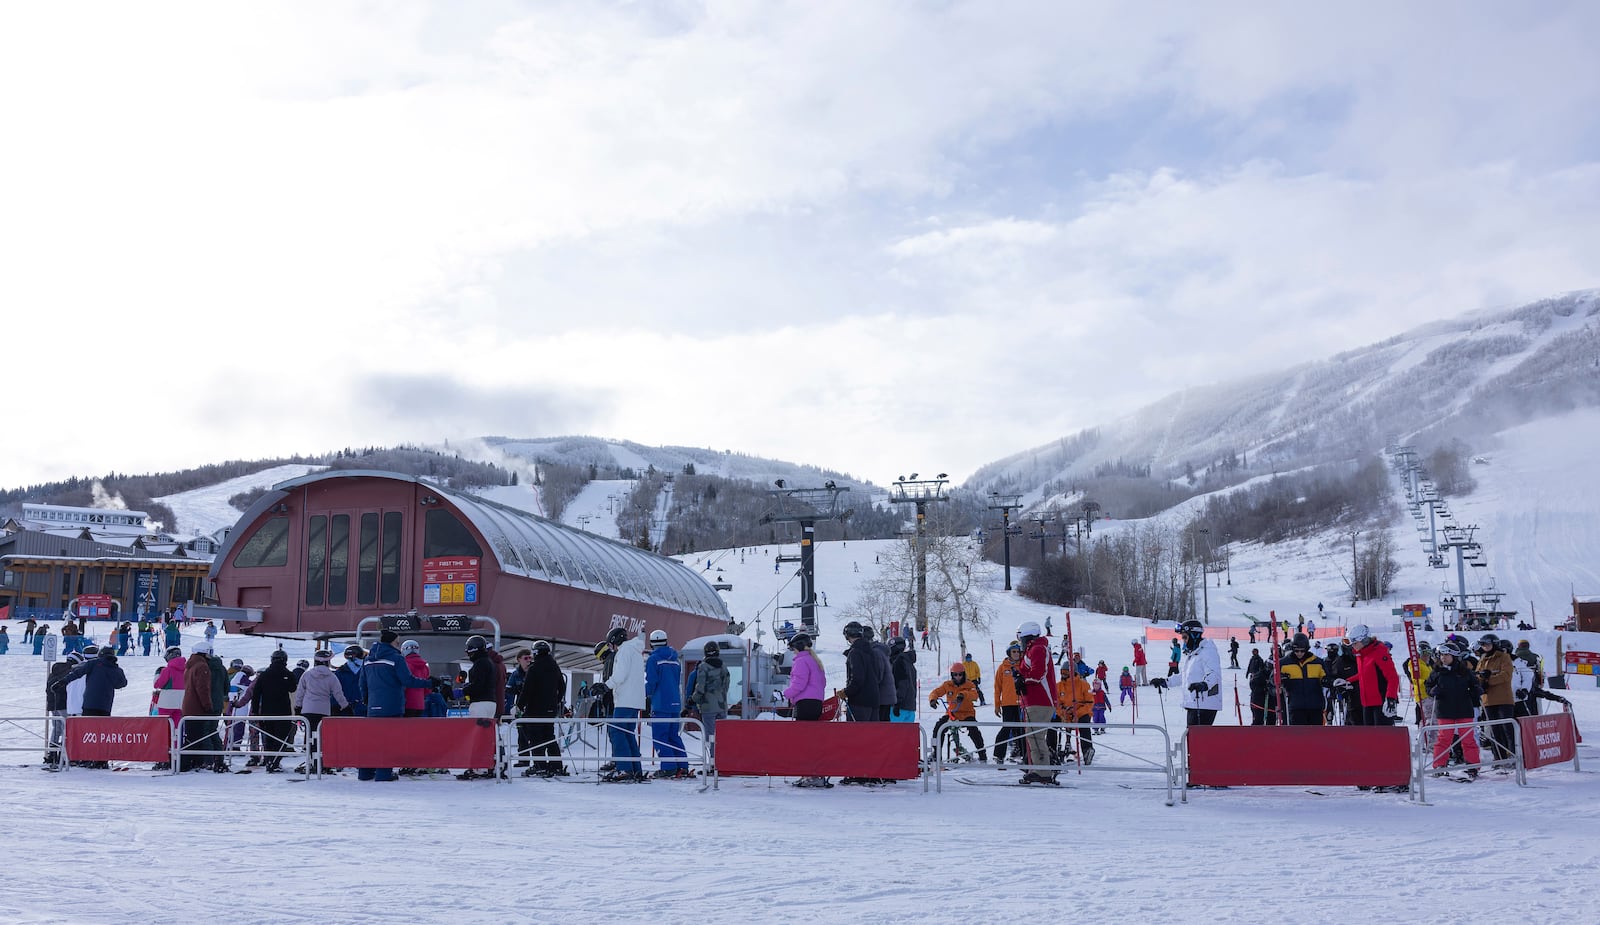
[853,630]
[867,632]
[658,638]
[798,642]
[1028,630]
[1300,642]
[1454,648]
[302,664]
[1359,633]
[958,668]
[541,647]
[322,656]
[1192,632]
[1488,640]
[236,664]
[476,644]
[897,645]
[712,651]
[353,651]
[410,646]
[173,652]
[616,637]
[278,655]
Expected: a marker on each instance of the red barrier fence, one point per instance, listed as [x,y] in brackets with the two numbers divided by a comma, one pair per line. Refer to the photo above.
[1290,756]
[119,738]
[797,749]
[408,742]
[1549,739]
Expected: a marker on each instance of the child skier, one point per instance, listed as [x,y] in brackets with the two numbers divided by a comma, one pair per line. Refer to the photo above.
[1126,684]
[960,697]
[1102,703]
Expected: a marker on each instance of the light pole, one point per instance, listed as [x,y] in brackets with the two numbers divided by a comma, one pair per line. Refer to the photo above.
[1205,598]
[1355,588]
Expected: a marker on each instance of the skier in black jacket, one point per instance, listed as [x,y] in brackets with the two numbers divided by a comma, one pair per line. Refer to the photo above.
[543,691]
[1456,691]
[270,695]
[887,694]
[861,676]
[903,660]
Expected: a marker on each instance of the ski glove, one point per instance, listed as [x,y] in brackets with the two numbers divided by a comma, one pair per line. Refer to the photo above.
[1158,682]
[1199,687]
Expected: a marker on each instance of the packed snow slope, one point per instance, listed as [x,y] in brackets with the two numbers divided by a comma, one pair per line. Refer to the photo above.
[539,851]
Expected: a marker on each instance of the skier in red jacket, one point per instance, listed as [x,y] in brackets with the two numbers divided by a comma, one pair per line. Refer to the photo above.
[1036,685]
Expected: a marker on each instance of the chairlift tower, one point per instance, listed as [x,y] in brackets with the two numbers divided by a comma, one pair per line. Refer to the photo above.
[806,506]
[1041,520]
[920,492]
[1467,550]
[1005,504]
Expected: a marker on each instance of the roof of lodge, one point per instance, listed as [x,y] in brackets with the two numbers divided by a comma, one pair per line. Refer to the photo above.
[31,544]
[533,547]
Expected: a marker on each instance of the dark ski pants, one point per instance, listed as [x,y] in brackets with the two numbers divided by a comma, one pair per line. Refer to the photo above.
[1009,732]
[1201,717]
[539,741]
[276,736]
[973,733]
[1311,717]
[808,710]
[1500,736]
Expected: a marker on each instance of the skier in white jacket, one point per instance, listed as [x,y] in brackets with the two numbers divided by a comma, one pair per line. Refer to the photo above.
[1199,675]
[627,697]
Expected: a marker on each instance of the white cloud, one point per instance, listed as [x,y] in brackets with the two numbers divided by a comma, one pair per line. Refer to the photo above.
[620,219]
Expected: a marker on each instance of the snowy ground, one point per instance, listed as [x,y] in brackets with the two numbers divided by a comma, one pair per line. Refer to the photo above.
[92,846]
[336,850]
[206,510]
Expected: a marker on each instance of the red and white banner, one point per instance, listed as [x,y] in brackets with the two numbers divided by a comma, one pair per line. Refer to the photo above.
[119,738]
[1549,739]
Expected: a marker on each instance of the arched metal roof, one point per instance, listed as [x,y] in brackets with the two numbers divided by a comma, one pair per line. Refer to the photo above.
[531,546]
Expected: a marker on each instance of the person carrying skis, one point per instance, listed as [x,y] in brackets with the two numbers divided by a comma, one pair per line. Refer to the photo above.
[1199,675]
[1035,679]
[961,698]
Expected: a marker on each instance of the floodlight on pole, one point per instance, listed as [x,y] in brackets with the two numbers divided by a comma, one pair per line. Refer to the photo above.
[921,494]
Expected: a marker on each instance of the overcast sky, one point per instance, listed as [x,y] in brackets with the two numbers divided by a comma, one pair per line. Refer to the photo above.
[871,236]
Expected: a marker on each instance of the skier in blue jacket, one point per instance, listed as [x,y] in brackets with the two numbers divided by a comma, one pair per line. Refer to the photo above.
[663,674]
[383,679]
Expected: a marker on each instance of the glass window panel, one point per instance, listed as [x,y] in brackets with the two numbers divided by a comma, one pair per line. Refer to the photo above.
[268,548]
[316,560]
[390,587]
[367,561]
[339,560]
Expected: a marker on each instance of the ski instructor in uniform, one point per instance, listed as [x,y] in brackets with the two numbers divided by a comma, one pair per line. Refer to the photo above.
[1199,674]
